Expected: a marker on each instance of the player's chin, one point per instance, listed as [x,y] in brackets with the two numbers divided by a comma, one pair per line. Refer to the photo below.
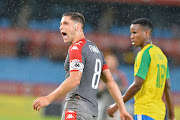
[136,45]
[66,41]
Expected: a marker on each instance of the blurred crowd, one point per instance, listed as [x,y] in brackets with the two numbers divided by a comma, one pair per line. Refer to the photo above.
[33,27]
[104,97]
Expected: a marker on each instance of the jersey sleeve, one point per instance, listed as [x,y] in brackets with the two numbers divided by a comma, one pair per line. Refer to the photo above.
[167,73]
[144,65]
[76,58]
[105,66]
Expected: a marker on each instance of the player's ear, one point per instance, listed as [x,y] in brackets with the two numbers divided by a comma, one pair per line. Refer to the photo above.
[78,26]
[148,33]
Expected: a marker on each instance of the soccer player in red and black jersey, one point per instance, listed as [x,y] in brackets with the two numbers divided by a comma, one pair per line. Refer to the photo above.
[84,65]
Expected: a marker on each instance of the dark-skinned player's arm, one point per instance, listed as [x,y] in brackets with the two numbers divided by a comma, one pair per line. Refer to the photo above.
[68,85]
[113,88]
[130,93]
[169,100]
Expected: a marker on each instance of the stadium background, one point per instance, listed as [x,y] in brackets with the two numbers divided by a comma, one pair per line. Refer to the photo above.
[32,51]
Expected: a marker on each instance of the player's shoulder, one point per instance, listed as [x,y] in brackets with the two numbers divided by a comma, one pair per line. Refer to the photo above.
[78,45]
[156,49]
[92,47]
[151,49]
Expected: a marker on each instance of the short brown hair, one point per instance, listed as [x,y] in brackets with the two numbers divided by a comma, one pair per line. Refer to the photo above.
[75,16]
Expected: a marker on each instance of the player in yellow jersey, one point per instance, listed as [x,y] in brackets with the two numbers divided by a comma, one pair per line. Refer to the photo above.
[151,77]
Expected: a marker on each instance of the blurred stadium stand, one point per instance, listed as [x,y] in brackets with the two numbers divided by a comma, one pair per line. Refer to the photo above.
[44,71]
[39,70]
[32,50]
[5,22]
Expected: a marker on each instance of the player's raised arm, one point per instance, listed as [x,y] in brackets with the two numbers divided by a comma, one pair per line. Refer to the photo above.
[70,83]
[116,94]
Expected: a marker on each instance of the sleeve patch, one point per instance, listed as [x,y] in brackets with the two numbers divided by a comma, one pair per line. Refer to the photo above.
[76,65]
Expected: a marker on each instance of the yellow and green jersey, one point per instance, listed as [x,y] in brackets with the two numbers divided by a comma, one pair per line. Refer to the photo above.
[151,65]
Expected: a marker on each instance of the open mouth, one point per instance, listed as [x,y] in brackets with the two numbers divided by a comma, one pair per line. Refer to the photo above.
[64,34]
[132,42]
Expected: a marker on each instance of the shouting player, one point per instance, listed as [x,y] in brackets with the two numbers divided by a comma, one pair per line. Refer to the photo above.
[84,65]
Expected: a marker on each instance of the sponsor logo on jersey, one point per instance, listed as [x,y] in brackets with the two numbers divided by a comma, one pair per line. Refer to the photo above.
[70,115]
[76,66]
[93,49]
[74,48]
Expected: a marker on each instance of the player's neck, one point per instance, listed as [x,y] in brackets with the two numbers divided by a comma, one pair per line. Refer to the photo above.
[149,41]
[78,37]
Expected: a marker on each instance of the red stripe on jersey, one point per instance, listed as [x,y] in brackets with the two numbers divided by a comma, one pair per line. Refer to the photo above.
[105,67]
[74,70]
[75,51]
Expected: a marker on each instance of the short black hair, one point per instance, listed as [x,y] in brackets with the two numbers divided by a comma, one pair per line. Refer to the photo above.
[75,16]
[144,22]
